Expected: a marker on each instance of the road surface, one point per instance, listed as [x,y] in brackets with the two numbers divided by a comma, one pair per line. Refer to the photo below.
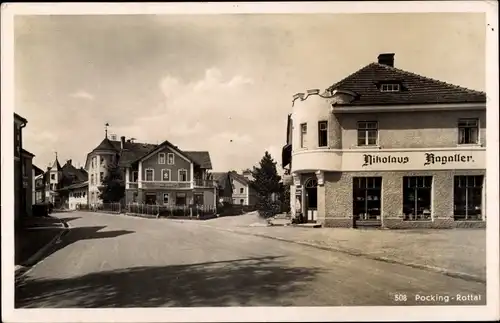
[118,261]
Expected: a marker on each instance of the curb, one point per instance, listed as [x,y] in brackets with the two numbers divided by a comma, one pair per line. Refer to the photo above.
[20,270]
[444,271]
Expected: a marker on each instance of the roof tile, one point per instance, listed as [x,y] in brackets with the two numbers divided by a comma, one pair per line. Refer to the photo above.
[416,89]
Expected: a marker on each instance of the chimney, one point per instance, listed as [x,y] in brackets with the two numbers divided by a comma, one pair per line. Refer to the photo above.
[122,141]
[386,59]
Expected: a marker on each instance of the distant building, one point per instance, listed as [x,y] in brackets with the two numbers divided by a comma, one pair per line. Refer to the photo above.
[390,148]
[243,193]
[61,181]
[225,186]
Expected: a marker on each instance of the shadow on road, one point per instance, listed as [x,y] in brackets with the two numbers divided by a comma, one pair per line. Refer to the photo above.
[240,282]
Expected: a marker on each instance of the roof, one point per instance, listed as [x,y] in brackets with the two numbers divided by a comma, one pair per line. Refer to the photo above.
[24,151]
[202,158]
[56,165]
[75,186]
[238,177]
[18,117]
[38,170]
[416,89]
[77,174]
[106,144]
[221,178]
[134,151]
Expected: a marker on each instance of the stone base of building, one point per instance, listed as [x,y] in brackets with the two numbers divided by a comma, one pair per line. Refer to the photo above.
[398,223]
[402,224]
[470,224]
[338,223]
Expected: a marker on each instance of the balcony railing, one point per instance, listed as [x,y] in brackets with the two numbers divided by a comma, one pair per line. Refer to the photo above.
[204,183]
[165,184]
[133,185]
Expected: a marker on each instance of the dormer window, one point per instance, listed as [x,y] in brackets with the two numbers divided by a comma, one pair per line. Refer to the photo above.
[390,87]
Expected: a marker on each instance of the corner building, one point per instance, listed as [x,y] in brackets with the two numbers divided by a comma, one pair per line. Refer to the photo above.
[386,147]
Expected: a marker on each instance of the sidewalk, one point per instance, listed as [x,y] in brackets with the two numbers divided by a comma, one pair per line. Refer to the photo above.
[34,238]
[456,252]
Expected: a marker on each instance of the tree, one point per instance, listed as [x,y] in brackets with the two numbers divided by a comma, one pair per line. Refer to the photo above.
[266,183]
[113,189]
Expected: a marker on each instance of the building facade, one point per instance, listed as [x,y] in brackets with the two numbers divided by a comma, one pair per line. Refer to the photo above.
[243,193]
[386,147]
[154,174]
[23,172]
[225,186]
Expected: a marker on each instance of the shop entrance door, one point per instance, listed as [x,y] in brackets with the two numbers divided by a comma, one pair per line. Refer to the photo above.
[311,188]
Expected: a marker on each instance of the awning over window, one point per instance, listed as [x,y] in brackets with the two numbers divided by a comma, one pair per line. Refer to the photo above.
[286,155]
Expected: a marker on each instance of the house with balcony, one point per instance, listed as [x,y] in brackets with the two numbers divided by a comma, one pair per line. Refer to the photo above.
[61,181]
[153,174]
[387,147]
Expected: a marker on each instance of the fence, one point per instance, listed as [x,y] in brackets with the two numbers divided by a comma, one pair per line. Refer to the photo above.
[235,209]
[172,211]
[103,207]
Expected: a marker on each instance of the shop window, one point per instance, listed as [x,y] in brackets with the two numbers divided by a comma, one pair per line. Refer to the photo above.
[468,130]
[166,197]
[417,197]
[134,197]
[303,135]
[367,195]
[467,201]
[198,199]
[180,199]
[242,201]
[367,133]
[323,134]
[150,198]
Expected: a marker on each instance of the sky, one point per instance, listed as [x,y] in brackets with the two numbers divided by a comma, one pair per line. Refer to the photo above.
[220,83]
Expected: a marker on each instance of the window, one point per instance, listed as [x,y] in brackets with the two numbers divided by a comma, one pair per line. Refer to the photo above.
[161,158]
[102,160]
[303,135]
[390,87]
[242,190]
[198,199]
[467,201]
[242,201]
[149,175]
[323,134]
[468,130]
[134,197]
[182,175]
[52,176]
[165,175]
[367,133]
[92,179]
[417,197]
[101,177]
[367,194]
[180,199]
[170,159]
[135,176]
[165,198]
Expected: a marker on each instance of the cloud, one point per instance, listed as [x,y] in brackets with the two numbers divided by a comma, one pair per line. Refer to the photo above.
[81,94]
[215,113]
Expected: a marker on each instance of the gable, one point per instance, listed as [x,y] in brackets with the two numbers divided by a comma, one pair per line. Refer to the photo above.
[153,157]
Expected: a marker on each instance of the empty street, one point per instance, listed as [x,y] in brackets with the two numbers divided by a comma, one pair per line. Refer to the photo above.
[110,260]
